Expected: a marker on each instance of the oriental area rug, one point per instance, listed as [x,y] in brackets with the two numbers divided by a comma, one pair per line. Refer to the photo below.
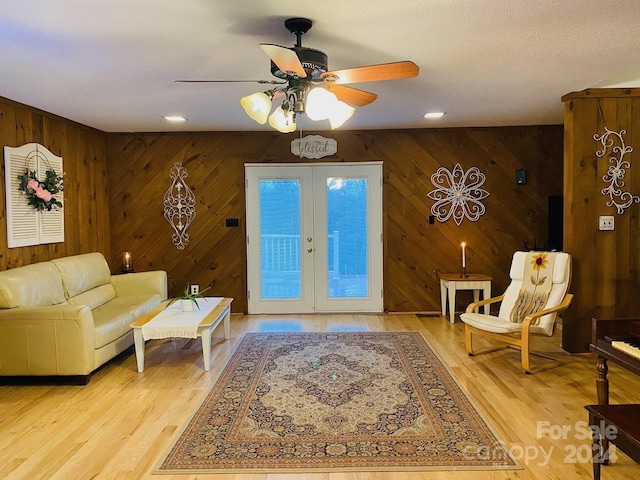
[328,402]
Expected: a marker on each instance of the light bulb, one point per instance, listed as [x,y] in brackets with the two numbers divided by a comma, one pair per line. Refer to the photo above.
[340,113]
[257,106]
[319,103]
[281,121]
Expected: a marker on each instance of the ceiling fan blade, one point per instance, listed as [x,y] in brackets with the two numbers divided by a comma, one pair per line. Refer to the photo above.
[285,58]
[374,73]
[352,96]
[270,82]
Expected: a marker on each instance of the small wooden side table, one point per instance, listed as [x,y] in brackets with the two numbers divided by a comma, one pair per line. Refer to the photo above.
[451,282]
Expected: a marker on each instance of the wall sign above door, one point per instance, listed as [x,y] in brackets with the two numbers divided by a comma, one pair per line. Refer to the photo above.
[314,146]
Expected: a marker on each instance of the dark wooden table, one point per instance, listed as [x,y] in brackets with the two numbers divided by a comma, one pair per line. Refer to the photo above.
[618,425]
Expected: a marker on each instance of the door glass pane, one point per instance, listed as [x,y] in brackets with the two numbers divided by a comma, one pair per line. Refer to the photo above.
[280,239]
[347,237]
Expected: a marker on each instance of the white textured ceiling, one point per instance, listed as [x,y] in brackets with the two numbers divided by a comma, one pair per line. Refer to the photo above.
[111,64]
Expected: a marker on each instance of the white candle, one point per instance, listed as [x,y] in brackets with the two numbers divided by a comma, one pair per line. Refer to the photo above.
[127,261]
[464,258]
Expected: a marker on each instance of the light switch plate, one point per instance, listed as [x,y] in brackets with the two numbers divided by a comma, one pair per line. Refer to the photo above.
[606,222]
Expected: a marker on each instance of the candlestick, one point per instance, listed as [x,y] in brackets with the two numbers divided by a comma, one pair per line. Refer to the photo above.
[464,259]
[127,262]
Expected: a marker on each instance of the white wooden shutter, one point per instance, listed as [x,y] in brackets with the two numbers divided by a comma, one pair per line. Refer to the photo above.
[51,226]
[25,225]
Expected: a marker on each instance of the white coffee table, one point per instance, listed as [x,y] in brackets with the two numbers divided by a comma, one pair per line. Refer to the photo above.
[220,313]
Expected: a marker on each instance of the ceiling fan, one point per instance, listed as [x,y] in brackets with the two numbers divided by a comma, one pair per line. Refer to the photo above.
[309,87]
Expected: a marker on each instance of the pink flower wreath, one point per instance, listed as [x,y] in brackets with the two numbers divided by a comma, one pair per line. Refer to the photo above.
[41,195]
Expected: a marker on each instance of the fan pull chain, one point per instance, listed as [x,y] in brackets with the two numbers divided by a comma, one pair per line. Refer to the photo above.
[300,125]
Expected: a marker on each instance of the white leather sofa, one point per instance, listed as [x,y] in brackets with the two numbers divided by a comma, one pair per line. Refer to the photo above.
[68,316]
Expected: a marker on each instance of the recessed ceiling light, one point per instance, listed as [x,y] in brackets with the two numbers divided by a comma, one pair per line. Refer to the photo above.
[175,118]
[434,114]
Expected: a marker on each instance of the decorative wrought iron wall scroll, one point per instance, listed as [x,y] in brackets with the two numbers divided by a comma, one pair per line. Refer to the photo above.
[458,194]
[617,170]
[179,206]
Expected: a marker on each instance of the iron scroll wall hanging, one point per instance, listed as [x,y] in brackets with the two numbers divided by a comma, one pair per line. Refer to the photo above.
[179,206]
[458,194]
[617,170]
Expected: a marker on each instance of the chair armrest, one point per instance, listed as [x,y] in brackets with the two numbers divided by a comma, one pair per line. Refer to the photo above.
[140,283]
[486,301]
[566,301]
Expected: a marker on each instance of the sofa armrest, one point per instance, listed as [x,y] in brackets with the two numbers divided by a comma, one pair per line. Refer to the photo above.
[140,283]
[52,340]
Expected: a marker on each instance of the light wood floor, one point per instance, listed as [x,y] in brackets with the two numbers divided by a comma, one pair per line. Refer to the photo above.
[120,425]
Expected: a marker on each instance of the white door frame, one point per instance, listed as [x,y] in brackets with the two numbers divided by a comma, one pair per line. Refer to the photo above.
[313,203]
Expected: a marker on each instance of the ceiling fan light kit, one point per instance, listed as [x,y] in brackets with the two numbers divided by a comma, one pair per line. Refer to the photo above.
[340,114]
[319,102]
[257,106]
[282,121]
[322,105]
[308,87]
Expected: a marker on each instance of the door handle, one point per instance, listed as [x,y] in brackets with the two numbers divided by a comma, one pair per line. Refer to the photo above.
[309,250]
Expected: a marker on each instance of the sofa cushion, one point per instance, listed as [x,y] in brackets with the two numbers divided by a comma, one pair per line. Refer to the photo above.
[96,297]
[113,319]
[82,272]
[35,285]
[110,325]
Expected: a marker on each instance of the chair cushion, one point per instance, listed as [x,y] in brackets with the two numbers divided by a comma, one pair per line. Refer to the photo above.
[36,285]
[545,325]
[561,277]
[489,323]
[82,272]
[560,272]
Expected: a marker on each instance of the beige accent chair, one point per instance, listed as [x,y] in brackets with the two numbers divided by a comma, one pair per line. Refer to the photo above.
[68,316]
[518,335]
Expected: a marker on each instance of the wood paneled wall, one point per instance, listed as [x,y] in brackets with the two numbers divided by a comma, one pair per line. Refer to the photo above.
[86,199]
[414,250]
[606,274]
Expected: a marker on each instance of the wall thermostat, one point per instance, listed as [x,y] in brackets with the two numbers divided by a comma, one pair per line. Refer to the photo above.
[521,176]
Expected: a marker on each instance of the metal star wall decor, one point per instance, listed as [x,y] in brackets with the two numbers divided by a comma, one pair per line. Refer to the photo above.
[179,206]
[458,194]
[617,170]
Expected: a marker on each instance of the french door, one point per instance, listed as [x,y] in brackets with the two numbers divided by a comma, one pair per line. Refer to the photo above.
[314,237]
